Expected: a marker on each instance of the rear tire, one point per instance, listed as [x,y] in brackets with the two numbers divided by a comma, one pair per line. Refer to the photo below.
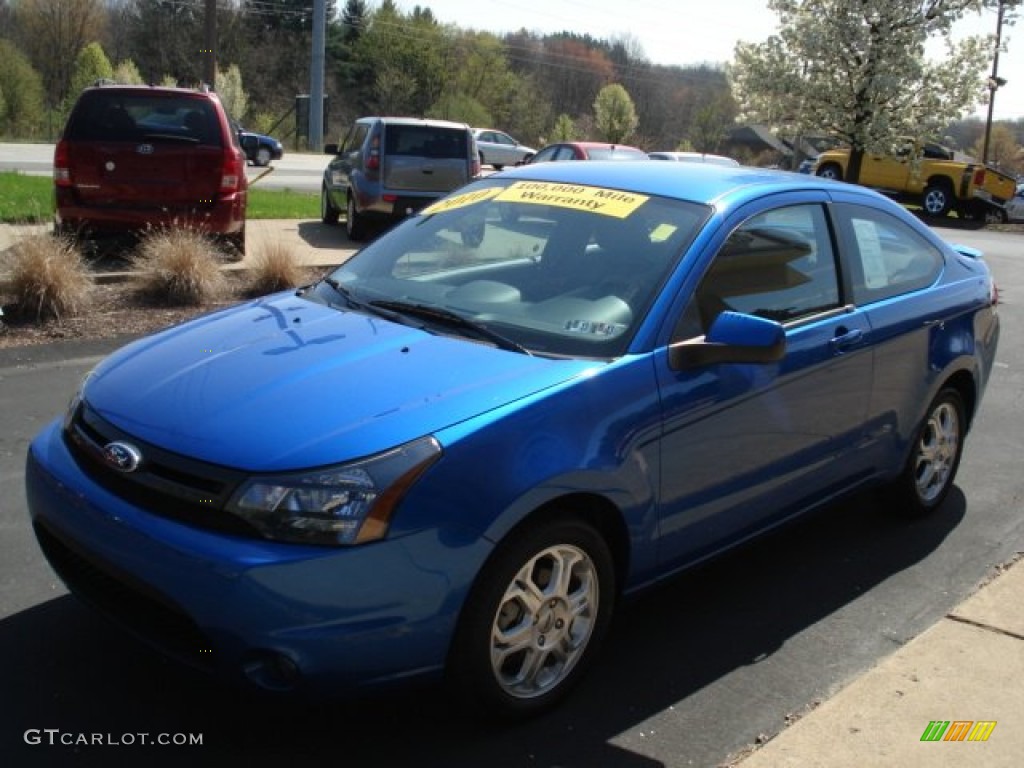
[262,157]
[533,620]
[937,200]
[831,171]
[934,458]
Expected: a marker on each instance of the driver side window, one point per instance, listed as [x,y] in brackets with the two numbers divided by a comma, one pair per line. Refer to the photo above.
[779,265]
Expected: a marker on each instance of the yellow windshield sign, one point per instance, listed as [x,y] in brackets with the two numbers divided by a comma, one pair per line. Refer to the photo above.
[607,202]
[461,201]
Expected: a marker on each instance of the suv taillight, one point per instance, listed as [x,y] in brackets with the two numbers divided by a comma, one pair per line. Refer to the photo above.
[232,171]
[373,156]
[62,165]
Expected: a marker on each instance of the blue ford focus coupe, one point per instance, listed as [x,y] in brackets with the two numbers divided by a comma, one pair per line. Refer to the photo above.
[451,457]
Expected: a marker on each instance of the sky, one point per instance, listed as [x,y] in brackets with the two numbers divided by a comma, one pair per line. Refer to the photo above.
[687,32]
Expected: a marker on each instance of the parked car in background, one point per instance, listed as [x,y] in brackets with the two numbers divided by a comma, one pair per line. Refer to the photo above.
[1015,207]
[498,149]
[452,461]
[693,157]
[388,167]
[587,150]
[259,148]
[807,165]
[135,158]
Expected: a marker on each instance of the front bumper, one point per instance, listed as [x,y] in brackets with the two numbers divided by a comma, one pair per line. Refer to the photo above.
[282,617]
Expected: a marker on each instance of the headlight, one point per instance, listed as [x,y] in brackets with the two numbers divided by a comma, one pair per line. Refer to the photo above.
[345,504]
[76,399]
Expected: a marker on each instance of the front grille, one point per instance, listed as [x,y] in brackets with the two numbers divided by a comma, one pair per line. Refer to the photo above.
[135,606]
[165,483]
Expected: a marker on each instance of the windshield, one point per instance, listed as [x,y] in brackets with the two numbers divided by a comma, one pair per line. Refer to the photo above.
[556,269]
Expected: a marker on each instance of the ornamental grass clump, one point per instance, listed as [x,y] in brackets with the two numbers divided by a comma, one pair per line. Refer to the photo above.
[275,268]
[49,278]
[179,266]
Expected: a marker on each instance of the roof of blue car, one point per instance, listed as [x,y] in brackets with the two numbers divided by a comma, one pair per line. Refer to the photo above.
[697,182]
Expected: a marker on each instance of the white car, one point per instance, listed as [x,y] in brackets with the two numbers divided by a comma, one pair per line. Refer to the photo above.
[498,149]
[1015,206]
[692,157]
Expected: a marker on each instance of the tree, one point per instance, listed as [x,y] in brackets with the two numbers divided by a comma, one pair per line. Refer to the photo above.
[711,123]
[127,73]
[1003,150]
[22,90]
[564,129]
[857,69]
[91,65]
[232,94]
[53,33]
[614,114]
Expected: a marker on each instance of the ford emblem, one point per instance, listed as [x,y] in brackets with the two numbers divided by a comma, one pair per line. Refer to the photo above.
[124,457]
[144,149]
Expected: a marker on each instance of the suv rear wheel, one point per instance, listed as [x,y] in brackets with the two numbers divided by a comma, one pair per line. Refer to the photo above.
[355,222]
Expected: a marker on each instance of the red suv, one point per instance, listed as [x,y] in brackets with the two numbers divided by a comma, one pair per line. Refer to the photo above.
[133,158]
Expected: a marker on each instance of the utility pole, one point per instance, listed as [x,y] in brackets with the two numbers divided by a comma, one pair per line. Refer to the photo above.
[316,77]
[994,82]
[210,49]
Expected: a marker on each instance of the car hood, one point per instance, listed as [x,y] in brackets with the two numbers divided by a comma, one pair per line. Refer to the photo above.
[284,383]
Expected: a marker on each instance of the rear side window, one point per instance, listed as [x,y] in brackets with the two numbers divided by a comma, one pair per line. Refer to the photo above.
[112,115]
[888,257]
[426,141]
[355,138]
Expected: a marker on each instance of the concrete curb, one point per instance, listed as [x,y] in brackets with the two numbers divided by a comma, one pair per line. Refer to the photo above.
[962,672]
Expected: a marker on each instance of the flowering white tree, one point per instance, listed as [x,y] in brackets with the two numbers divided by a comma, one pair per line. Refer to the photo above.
[857,69]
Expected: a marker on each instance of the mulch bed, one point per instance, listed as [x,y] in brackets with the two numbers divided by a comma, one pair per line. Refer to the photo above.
[116,309]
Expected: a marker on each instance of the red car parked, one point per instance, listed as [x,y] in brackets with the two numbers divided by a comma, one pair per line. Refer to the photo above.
[587,150]
[134,158]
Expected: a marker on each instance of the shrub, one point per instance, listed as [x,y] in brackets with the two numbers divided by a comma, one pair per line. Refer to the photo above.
[49,278]
[179,266]
[274,268]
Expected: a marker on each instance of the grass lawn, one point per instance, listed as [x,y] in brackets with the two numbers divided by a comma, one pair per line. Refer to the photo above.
[29,200]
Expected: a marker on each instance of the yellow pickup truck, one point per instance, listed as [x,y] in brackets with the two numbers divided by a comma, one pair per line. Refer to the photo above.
[928,175]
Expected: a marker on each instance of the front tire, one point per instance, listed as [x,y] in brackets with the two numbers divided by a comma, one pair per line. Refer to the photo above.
[931,468]
[328,213]
[534,620]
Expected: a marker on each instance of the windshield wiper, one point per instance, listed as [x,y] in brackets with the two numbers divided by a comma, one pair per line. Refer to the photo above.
[353,303]
[453,320]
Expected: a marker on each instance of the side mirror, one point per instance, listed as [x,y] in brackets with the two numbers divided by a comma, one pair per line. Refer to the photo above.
[732,338]
[330,149]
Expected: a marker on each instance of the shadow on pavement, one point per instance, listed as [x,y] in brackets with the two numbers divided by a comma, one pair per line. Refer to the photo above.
[68,669]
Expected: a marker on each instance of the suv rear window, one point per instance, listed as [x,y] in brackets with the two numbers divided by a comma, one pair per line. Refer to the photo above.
[133,116]
[426,141]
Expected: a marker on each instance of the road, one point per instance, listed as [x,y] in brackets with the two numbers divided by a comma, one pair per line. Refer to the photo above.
[693,671]
[297,171]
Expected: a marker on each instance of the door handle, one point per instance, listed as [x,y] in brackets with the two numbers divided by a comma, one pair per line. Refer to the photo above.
[846,339]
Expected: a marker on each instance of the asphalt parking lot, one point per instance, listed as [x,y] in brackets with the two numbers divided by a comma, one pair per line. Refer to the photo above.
[694,672]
